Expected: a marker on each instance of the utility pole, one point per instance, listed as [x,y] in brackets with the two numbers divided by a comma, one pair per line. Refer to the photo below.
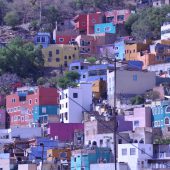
[40,12]
[114,116]
[42,157]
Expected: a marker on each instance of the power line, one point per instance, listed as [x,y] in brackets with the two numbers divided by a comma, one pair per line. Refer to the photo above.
[108,127]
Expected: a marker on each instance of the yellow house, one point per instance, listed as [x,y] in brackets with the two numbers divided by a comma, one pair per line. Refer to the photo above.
[57,55]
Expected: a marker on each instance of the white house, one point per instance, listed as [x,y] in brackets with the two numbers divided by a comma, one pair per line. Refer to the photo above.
[165,31]
[129,83]
[136,155]
[73,101]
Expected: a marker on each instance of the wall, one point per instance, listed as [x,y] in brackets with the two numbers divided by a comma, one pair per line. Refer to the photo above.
[135,161]
[2,119]
[109,166]
[165,31]
[4,161]
[61,55]
[104,28]
[27,166]
[129,82]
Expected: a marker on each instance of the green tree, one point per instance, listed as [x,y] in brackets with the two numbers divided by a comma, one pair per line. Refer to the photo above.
[3,10]
[91,60]
[137,100]
[68,80]
[11,19]
[147,23]
[21,58]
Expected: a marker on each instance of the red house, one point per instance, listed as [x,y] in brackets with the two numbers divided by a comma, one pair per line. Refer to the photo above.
[65,37]
[117,16]
[20,105]
[84,23]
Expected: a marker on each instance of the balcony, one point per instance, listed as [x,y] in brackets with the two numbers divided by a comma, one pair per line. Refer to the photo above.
[162,155]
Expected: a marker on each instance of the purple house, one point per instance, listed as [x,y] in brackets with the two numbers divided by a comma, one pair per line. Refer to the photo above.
[2,118]
[64,131]
[2,100]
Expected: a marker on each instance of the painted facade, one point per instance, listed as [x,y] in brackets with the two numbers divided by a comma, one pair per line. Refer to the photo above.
[141,117]
[104,28]
[129,83]
[134,157]
[165,31]
[64,132]
[117,16]
[3,119]
[161,114]
[43,39]
[81,159]
[60,55]
[71,112]
[84,23]
[20,104]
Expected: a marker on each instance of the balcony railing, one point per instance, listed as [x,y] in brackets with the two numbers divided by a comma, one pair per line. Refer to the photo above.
[162,155]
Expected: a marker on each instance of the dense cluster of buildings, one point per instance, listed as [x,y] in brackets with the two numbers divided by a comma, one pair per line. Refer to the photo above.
[50,128]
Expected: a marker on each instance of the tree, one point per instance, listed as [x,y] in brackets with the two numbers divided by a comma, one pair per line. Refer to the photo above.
[147,23]
[7,81]
[3,10]
[91,60]
[69,80]
[23,59]
[152,95]
[11,19]
[137,100]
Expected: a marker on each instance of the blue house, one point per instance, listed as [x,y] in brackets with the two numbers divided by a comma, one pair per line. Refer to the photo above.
[81,159]
[104,28]
[36,151]
[42,38]
[41,113]
[161,114]
[119,49]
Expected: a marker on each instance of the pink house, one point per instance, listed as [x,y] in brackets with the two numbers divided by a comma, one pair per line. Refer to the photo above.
[141,117]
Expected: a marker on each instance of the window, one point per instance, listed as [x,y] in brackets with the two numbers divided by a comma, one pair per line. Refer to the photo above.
[44,110]
[61,39]
[65,63]
[49,59]
[136,123]
[50,53]
[57,59]
[75,95]
[101,142]
[84,76]
[22,118]
[93,20]
[73,55]
[57,51]
[135,77]
[65,57]
[66,115]
[36,100]
[74,159]
[132,151]
[120,141]
[30,101]
[107,29]
[120,17]
[168,109]
[124,151]
[98,29]
[66,104]
[166,121]
[43,39]
[83,23]
[66,95]
[69,57]
[75,48]
[38,39]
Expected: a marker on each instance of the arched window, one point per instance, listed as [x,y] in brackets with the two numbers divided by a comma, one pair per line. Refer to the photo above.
[168,109]
[166,121]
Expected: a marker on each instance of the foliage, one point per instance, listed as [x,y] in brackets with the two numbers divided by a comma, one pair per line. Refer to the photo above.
[11,19]
[34,25]
[147,23]
[6,82]
[137,100]
[23,59]
[91,60]
[3,10]
[68,80]
[162,141]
